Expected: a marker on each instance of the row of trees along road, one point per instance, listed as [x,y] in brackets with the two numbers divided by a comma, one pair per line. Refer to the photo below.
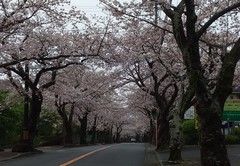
[183,51]
[56,58]
[172,54]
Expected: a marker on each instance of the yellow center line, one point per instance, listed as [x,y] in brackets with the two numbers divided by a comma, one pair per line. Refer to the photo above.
[85,155]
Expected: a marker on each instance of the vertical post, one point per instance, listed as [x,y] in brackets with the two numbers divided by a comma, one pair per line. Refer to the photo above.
[156,133]
[25,136]
[228,127]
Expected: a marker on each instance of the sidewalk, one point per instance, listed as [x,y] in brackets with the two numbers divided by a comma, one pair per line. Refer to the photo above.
[7,155]
[159,158]
[151,157]
[191,156]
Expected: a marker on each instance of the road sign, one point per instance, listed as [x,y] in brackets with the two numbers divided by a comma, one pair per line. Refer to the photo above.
[189,114]
[231,110]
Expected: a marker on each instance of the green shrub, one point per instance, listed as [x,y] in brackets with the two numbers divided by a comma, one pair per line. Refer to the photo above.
[190,134]
[231,139]
[10,120]
[48,127]
[236,132]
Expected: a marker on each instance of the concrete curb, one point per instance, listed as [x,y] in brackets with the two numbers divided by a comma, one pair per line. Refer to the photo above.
[19,155]
[12,157]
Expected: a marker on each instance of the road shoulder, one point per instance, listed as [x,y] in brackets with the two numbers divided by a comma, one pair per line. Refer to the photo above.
[151,157]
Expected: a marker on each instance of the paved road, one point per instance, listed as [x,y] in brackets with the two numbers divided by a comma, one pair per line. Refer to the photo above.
[131,154]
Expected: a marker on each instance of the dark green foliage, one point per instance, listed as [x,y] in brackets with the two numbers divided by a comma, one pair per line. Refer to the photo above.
[105,136]
[190,134]
[10,120]
[234,137]
[236,132]
[231,139]
[49,127]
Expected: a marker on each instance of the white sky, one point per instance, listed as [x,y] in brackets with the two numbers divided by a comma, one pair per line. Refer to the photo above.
[90,7]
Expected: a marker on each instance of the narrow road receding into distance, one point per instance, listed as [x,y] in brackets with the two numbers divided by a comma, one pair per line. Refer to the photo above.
[125,154]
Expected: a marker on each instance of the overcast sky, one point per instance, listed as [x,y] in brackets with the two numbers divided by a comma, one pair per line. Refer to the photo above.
[91,6]
[88,6]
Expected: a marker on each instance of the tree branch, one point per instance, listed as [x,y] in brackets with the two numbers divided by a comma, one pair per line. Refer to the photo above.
[215,17]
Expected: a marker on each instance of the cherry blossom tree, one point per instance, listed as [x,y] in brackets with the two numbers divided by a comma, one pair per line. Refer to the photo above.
[147,64]
[88,89]
[39,45]
[141,60]
[39,74]
[67,118]
[209,104]
[18,18]
[139,101]
[190,25]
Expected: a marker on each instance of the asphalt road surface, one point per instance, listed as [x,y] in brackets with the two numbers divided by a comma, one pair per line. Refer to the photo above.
[126,154]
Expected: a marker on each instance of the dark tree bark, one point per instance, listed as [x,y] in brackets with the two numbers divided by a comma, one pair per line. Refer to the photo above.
[118,132]
[83,128]
[162,101]
[163,133]
[67,125]
[211,139]
[151,132]
[35,109]
[94,130]
[66,119]
[163,118]
[35,101]
[209,104]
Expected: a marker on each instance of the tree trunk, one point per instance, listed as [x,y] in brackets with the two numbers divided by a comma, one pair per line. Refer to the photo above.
[111,134]
[175,138]
[66,119]
[68,137]
[209,108]
[35,109]
[118,132]
[94,131]
[83,129]
[67,122]
[117,136]
[163,133]
[210,100]
[152,132]
[211,140]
